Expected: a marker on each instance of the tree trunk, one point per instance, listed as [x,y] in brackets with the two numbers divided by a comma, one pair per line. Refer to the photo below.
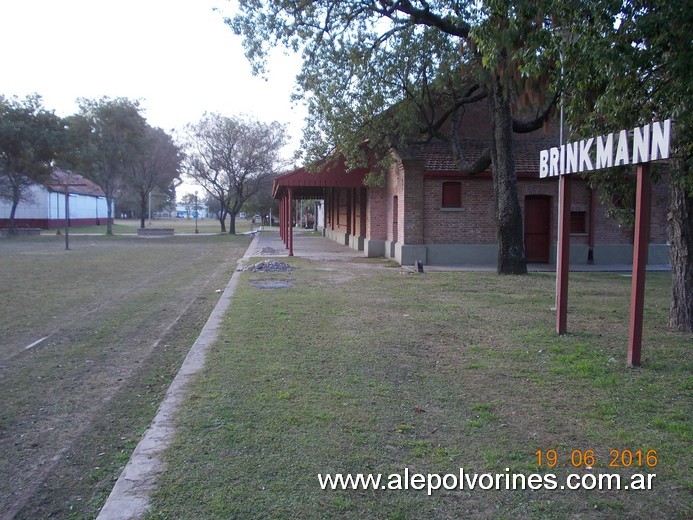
[232,223]
[143,210]
[222,219]
[109,215]
[11,225]
[511,248]
[680,230]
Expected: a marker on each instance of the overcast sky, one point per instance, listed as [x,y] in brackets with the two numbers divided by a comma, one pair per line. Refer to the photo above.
[176,56]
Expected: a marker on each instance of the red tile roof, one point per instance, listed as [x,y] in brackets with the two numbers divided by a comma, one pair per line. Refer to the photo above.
[84,186]
[438,155]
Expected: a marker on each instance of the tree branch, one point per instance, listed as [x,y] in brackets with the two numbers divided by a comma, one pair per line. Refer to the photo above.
[525,127]
[469,98]
[425,17]
[481,164]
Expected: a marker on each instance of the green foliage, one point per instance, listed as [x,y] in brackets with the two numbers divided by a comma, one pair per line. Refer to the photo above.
[359,61]
[105,133]
[630,67]
[31,137]
[107,136]
[262,202]
[412,64]
[378,75]
[154,168]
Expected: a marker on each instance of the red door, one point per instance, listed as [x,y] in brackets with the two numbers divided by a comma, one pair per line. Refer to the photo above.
[537,228]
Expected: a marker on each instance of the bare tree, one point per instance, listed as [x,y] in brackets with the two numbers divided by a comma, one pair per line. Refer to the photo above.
[156,165]
[231,157]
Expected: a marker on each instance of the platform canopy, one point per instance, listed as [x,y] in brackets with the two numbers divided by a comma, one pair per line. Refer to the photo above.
[305,183]
[311,183]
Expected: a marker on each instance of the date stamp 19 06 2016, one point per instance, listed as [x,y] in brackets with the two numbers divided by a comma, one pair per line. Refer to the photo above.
[587,458]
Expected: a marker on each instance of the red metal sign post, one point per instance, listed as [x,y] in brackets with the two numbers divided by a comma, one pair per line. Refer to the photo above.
[638,147]
[563,255]
[289,214]
[640,246]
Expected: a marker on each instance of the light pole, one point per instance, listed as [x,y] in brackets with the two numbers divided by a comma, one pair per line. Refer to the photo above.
[564,206]
[196,231]
[66,184]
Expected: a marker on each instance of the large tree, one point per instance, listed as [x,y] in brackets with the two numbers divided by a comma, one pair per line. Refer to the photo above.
[231,157]
[106,135]
[630,66]
[154,166]
[30,139]
[262,202]
[416,64]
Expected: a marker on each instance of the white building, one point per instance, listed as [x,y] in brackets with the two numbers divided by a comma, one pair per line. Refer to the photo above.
[46,208]
[188,210]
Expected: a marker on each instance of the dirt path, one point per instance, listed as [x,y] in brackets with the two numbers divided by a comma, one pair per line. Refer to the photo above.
[117,321]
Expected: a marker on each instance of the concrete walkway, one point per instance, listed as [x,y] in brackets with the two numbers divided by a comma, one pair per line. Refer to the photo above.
[306,245]
[129,498]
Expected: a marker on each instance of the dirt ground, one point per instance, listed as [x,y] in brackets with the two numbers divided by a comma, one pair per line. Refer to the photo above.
[89,341]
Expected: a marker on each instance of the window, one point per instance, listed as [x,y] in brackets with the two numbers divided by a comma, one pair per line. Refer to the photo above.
[578,222]
[452,194]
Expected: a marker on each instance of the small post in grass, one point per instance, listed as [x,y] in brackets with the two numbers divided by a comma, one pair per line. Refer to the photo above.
[66,186]
[196,231]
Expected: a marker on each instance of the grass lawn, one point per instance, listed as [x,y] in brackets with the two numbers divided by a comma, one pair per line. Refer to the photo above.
[90,340]
[361,368]
[208,225]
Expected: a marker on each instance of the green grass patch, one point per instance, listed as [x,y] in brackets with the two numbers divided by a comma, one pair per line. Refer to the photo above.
[363,369]
[183,226]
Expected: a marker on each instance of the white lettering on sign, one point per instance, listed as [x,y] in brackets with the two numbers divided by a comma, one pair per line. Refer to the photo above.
[642,144]
[605,152]
[585,159]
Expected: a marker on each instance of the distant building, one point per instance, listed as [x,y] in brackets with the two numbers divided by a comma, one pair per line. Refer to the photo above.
[188,210]
[46,208]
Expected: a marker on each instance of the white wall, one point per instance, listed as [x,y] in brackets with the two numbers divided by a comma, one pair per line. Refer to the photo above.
[51,205]
[81,206]
[37,208]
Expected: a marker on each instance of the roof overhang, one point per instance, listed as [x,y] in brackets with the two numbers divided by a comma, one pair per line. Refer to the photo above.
[308,183]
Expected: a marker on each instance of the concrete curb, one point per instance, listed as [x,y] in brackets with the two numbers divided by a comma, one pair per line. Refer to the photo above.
[129,498]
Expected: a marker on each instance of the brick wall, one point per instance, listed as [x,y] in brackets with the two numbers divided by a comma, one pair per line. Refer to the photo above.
[609,230]
[376,213]
[412,227]
[474,223]
[660,210]
[395,188]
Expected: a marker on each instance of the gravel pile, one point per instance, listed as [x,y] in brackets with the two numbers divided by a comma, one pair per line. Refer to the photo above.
[269,266]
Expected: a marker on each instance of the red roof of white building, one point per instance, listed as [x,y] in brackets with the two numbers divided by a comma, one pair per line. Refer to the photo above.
[77,183]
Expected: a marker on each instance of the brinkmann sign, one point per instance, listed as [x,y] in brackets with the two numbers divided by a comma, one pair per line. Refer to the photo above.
[641,145]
